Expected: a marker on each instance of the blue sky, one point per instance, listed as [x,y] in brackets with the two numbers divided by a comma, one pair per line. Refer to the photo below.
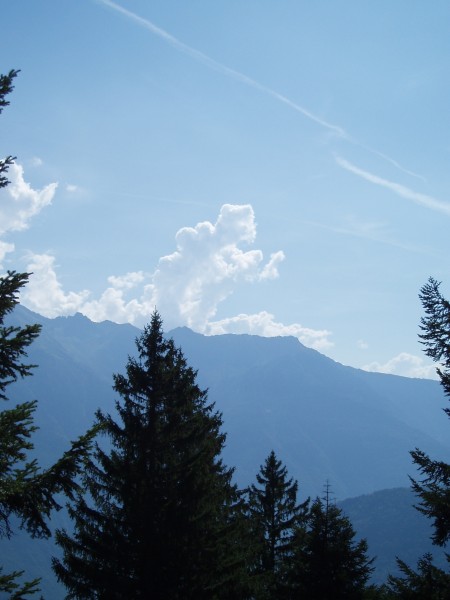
[244,166]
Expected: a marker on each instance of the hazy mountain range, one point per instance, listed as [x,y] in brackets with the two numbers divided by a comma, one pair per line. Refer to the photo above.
[325,421]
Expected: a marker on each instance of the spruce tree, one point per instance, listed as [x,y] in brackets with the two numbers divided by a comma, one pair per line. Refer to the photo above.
[434,489]
[427,583]
[157,521]
[273,513]
[6,87]
[329,564]
[27,492]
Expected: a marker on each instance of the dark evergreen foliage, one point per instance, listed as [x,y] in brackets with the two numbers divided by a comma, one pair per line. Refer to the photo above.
[434,489]
[328,563]
[427,583]
[273,513]
[26,491]
[159,520]
[6,87]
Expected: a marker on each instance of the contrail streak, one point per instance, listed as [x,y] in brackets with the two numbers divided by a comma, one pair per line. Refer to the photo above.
[220,67]
[397,188]
[244,79]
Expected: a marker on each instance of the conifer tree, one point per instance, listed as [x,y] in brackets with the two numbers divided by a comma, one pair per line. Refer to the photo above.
[27,492]
[6,87]
[157,520]
[328,563]
[427,583]
[273,513]
[434,489]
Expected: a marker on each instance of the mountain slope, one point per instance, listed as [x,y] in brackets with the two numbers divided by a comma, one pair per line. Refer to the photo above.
[324,420]
[393,528]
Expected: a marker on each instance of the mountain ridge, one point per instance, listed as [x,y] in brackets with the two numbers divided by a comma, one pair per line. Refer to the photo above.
[325,420]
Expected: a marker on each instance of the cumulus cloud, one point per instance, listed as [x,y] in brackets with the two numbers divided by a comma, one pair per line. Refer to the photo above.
[407,365]
[114,305]
[5,248]
[263,323]
[187,286]
[208,264]
[44,293]
[19,202]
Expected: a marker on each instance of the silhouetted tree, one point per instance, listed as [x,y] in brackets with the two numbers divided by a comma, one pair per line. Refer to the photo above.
[158,521]
[26,491]
[6,87]
[328,563]
[427,583]
[434,489]
[273,513]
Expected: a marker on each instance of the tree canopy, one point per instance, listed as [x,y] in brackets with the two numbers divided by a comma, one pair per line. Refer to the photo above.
[158,519]
[434,488]
[27,491]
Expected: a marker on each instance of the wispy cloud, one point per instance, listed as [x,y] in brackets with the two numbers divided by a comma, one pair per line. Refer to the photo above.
[333,129]
[399,189]
[390,160]
[222,68]
[373,231]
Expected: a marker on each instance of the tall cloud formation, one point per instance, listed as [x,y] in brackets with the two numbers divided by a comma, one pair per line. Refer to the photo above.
[187,285]
[208,264]
[19,202]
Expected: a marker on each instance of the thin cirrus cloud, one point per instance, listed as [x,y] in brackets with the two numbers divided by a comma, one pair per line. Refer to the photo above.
[222,68]
[401,190]
[335,130]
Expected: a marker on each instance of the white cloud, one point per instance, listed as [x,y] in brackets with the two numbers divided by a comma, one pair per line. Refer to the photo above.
[44,293]
[36,162]
[207,265]
[186,287]
[113,304]
[401,190]
[128,281]
[19,202]
[263,324]
[71,188]
[5,248]
[407,365]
